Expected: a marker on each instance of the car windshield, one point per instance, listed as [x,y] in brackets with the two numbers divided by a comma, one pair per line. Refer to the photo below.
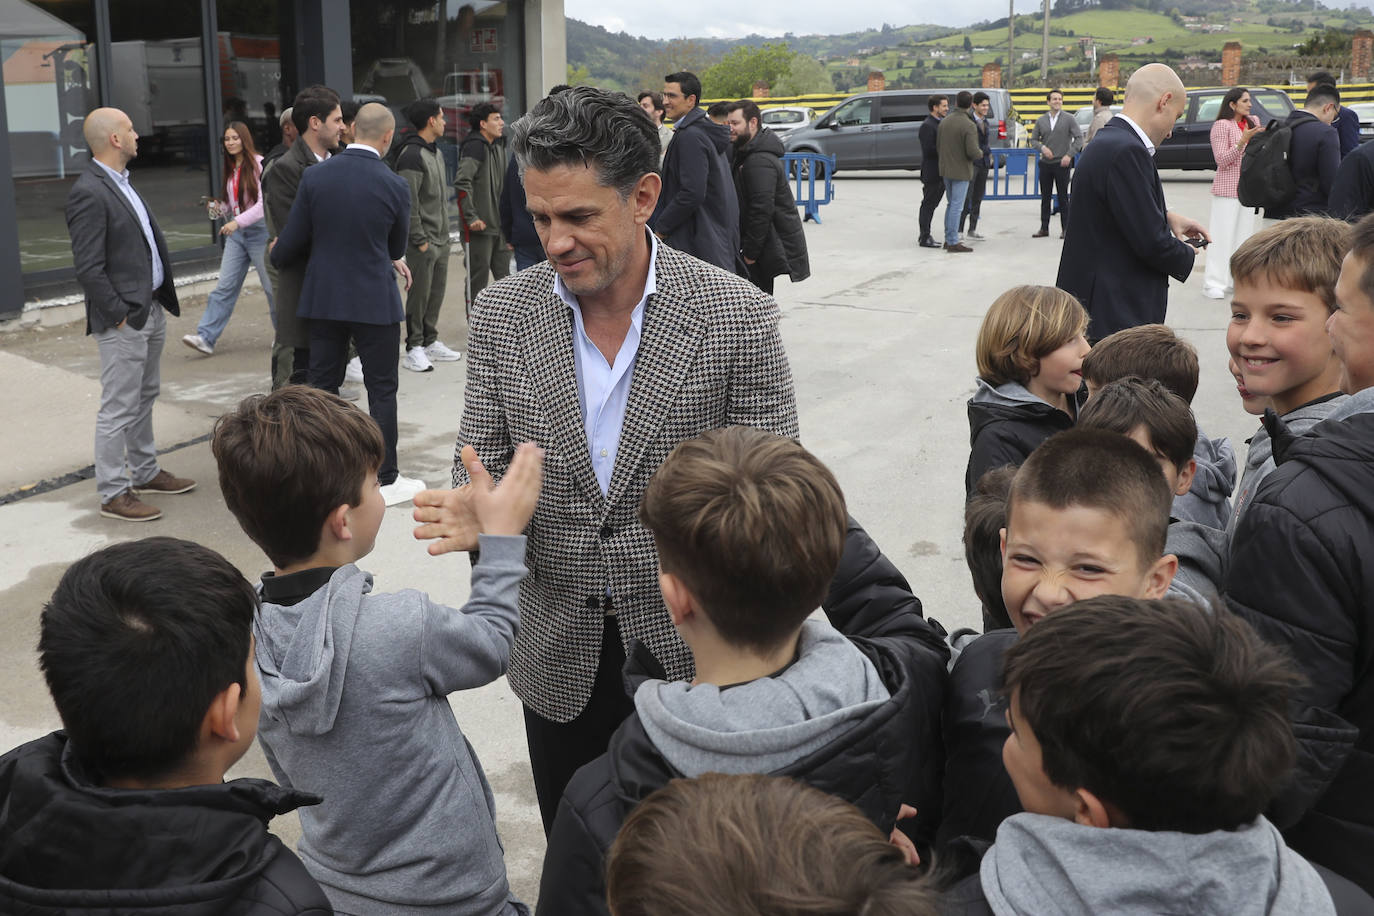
[783,117]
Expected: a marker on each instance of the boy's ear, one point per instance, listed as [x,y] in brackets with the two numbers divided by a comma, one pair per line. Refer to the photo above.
[1089,810]
[336,525]
[221,719]
[1002,544]
[1185,477]
[675,597]
[1160,576]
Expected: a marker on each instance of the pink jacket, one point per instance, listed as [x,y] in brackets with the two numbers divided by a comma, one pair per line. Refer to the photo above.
[254,212]
[1225,136]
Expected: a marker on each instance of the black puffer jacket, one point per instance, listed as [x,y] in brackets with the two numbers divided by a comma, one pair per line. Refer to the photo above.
[1302,572]
[696,212]
[891,758]
[1006,423]
[770,230]
[69,846]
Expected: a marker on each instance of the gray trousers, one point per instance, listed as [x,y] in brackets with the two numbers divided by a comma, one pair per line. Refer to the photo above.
[488,259]
[429,277]
[130,376]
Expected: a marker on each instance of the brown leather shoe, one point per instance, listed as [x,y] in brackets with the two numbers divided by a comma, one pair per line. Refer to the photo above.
[129,508]
[957,247]
[1042,234]
[166,483]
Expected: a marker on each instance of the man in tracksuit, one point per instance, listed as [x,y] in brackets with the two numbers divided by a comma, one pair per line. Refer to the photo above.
[422,166]
[481,173]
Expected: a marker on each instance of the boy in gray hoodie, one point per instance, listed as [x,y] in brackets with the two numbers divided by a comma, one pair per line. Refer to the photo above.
[355,684]
[1146,739]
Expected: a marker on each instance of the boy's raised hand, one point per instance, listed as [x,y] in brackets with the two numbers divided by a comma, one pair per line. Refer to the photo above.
[447,519]
[505,508]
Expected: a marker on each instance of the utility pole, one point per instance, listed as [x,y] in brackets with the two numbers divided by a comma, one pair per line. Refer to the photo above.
[1045,49]
[1011,43]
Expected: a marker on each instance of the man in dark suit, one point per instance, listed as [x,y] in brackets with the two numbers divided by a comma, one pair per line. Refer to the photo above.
[607,355]
[349,225]
[125,271]
[1122,243]
[933,186]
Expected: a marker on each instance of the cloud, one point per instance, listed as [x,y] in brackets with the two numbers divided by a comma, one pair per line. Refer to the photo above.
[718,18]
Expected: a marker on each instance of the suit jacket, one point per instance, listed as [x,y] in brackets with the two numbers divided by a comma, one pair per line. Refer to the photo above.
[281,180]
[928,135]
[1119,254]
[351,219]
[110,252]
[709,356]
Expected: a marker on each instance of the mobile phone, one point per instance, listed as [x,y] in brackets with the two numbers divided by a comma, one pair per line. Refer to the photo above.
[1198,243]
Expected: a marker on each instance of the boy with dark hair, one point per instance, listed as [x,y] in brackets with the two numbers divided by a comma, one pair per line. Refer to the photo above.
[1088,515]
[1146,739]
[481,176]
[146,647]
[1154,351]
[750,530]
[1162,424]
[1285,278]
[985,515]
[355,683]
[757,844]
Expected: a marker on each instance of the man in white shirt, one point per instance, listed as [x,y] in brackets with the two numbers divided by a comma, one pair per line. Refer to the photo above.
[124,269]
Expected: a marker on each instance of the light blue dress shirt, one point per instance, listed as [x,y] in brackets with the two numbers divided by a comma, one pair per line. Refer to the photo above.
[603,388]
[121,180]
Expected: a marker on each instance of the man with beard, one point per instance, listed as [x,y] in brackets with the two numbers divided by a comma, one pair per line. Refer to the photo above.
[771,238]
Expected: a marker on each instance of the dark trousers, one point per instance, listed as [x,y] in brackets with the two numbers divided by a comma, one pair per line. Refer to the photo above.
[973,204]
[1054,177]
[558,749]
[758,278]
[378,349]
[930,199]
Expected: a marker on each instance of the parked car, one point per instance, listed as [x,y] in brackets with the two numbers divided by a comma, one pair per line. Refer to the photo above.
[1084,117]
[877,130]
[1190,146]
[787,118]
[1366,112]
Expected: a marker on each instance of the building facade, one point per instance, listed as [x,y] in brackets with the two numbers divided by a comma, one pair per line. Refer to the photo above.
[182,69]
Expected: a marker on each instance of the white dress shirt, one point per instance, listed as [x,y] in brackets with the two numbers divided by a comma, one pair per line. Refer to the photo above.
[603,388]
[121,180]
[371,149]
[1144,138]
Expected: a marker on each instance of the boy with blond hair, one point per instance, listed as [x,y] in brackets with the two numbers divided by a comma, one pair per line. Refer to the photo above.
[1088,515]
[750,530]
[355,683]
[1285,279]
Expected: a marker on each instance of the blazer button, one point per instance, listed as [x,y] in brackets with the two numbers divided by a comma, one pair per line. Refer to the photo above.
[593,603]
[606,532]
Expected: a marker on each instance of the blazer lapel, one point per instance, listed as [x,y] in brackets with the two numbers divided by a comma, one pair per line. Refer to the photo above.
[671,333]
[547,344]
[119,195]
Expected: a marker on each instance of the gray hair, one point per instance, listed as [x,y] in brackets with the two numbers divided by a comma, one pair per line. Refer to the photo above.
[607,131]
[285,116]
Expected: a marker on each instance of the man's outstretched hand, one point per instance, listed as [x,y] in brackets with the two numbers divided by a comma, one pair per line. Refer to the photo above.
[452,519]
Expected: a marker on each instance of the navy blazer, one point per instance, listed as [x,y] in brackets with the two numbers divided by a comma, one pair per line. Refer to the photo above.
[350,220]
[1119,254]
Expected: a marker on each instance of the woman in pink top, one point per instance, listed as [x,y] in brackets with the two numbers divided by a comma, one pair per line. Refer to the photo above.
[1231,223]
[245,237]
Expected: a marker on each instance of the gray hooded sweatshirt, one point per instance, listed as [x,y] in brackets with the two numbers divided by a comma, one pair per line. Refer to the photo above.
[355,708]
[768,723]
[1259,460]
[1043,864]
[1208,500]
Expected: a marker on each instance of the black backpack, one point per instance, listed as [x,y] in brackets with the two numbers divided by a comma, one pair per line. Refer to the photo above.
[1266,179]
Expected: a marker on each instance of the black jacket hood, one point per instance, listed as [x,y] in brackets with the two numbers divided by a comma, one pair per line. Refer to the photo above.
[765,141]
[195,851]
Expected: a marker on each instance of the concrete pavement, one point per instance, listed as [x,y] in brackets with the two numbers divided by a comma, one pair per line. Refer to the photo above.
[881,346]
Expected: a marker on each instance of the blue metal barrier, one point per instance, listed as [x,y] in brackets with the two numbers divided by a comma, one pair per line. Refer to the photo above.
[1010,164]
[804,170]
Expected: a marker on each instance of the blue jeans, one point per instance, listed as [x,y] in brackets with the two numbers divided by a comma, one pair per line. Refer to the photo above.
[955,192]
[246,246]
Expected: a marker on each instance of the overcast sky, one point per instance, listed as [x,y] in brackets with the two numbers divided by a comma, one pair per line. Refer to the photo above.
[733,19]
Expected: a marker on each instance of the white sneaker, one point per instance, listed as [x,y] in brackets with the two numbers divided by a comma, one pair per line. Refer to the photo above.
[350,392]
[1213,293]
[354,372]
[416,361]
[975,235]
[196,342]
[442,354]
[401,490]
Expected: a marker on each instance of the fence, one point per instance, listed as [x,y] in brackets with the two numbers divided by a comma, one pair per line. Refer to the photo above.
[804,170]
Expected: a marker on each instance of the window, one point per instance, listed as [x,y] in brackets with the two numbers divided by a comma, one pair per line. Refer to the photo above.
[250,70]
[896,109]
[783,116]
[855,112]
[1207,107]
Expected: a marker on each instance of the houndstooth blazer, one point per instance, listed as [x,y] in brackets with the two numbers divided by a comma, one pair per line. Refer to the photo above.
[710,355]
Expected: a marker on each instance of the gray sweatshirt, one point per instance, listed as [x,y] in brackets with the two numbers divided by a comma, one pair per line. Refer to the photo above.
[355,708]
[1043,864]
[1208,500]
[768,723]
[1259,460]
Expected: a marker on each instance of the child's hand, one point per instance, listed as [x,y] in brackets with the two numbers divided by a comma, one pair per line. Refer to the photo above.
[447,519]
[901,840]
[505,508]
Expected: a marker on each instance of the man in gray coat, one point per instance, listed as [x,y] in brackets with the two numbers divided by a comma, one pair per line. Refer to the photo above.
[125,271]
[1059,138]
[960,151]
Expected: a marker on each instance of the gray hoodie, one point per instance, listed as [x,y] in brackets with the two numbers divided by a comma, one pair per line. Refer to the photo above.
[1043,864]
[1202,554]
[1208,500]
[766,724]
[1259,460]
[355,708]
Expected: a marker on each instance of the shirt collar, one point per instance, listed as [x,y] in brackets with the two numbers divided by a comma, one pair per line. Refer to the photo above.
[121,177]
[370,149]
[650,282]
[1144,138]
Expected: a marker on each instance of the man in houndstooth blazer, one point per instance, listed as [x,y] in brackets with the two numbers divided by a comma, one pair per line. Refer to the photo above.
[709,355]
